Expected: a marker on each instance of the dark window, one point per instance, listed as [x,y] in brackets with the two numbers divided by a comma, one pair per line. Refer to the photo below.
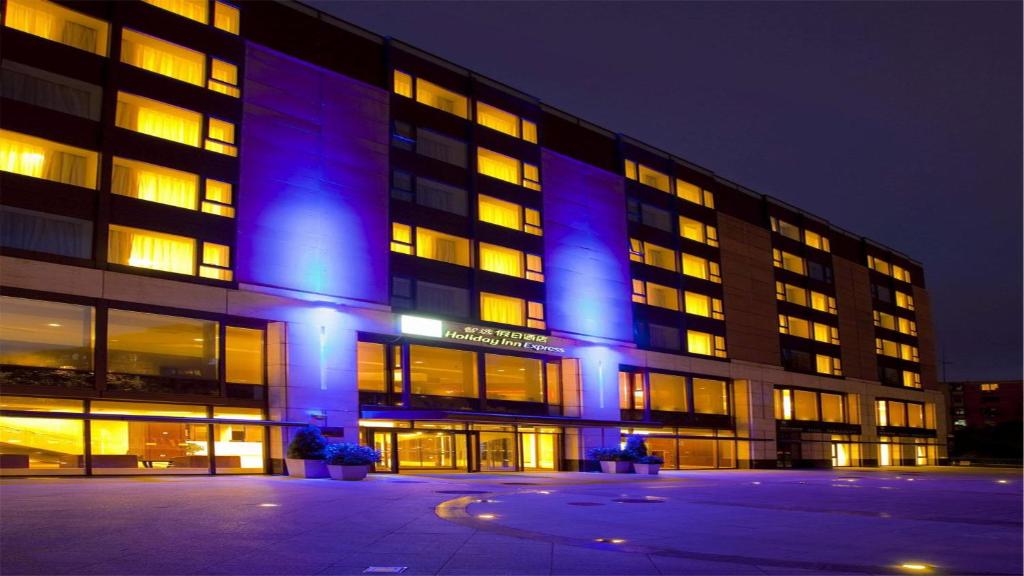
[49,90]
[796,360]
[41,232]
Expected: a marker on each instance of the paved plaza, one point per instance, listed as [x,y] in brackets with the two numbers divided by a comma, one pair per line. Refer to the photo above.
[851,521]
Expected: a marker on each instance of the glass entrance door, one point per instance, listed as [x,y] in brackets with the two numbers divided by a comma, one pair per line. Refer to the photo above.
[540,451]
[382,442]
[425,450]
[497,451]
[840,454]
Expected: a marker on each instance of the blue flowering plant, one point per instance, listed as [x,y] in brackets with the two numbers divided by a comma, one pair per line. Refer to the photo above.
[346,454]
[308,444]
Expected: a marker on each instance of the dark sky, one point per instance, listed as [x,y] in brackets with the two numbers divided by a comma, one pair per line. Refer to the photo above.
[898,121]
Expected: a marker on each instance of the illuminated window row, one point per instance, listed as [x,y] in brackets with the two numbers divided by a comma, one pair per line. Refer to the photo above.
[225,16]
[665,258]
[795,404]
[801,265]
[698,231]
[176,124]
[883,267]
[793,232]
[434,245]
[673,393]
[896,350]
[667,297]
[167,59]
[168,252]
[661,181]
[505,122]
[885,294]
[802,328]
[511,310]
[509,215]
[48,160]
[907,414]
[507,168]
[897,323]
[804,297]
[803,361]
[54,22]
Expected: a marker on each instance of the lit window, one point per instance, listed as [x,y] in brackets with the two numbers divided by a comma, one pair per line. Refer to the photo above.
[828,365]
[529,131]
[908,352]
[38,158]
[216,262]
[662,296]
[815,240]
[704,343]
[788,261]
[884,320]
[498,166]
[900,273]
[445,100]
[660,257]
[698,267]
[631,170]
[783,404]
[710,396]
[805,405]
[698,231]
[158,345]
[218,199]
[639,292]
[703,305]
[882,412]
[401,238]
[153,250]
[45,334]
[443,247]
[648,176]
[695,194]
[154,183]
[501,260]
[158,119]
[906,326]
[161,57]
[989,387]
[500,212]
[912,379]
[794,326]
[54,22]
[223,78]
[221,137]
[502,309]
[533,223]
[785,228]
[904,300]
[531,176]
[505,122]
[832,408]
[226,17]
[534,268]
[243,355]
[887,348]
[535,315]
[191,9]
[403,84]
[826,333]
[823,302]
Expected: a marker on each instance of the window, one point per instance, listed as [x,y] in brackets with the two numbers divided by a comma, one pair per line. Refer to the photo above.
[514,379]
[668,392]
[442,148]
[900,273]
[153,250]
[502,309]
[42,334]
[442,372]
[226,17]
[505,122]
[243,355]
[430,244]
[653,255]
[401,238]
[221,137]
[819,271]
[159,345]
[38,158]
[825,333]
[507,168]
[154,183]
[904,300]
[370,371]
[704,343]
[48,90]
[501,260]
[508,215]
[216,262]
[793,232]
[911,379]
[662,296]
[788,261]
[47,233]
[43,445]
[218,199]
[805,403]
[698,267]
[648,176]
[162,57]
[631,391]
[442,299]
[906,326]
[832,408]
[693,193]
[191,9]
[534,268]
[710,396]
[915,415]
[403,84]
[648,215]
[445,100]
[664,337]
[158,119]
[803,297]
[698,231]
[794,326]
[783,401]
[703,305]
[989,387]
[785,229]
[828,365]
[223,78]
[884,267]
[884,320]
[815,240]
[54,22]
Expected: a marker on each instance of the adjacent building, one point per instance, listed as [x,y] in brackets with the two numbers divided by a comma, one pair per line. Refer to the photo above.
[987,420]
[222,221]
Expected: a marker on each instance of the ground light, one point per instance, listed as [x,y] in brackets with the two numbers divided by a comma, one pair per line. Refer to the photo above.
[1002,481]
[915,567]
[486,516]
[269,505]
[609,540]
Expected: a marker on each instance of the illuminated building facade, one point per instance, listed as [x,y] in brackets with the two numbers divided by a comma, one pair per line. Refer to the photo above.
[221,222]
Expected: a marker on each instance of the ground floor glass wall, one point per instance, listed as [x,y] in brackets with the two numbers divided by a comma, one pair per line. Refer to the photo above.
[685,448]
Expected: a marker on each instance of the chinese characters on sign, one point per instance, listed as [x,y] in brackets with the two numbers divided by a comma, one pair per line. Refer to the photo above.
[497,337]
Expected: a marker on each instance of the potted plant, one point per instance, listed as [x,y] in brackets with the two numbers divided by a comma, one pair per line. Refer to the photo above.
[305,456]
[648,465]
[347,461]
[613,460]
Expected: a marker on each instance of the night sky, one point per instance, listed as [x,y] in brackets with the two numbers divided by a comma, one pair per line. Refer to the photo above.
[898,121]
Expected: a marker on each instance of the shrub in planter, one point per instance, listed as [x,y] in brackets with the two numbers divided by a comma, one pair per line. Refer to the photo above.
[648,464]
[613,460]
[350,461]
[305,457]
[636,448]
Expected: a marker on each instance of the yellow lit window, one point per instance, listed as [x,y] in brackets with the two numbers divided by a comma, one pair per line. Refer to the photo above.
[884,320]
[879,265]
[631,170]
[221,137]
[900,273]
[243,355]
[533,223]
[529,131]
[828,365]
[443,247]
[497,119]
[226,17]
[789,261]
[501,260]
[153,250]
[535,315]
[161,57]
[502,309]
[498,166]
[662,296]
[700,268]
[908,352]
[653,178]
[223,78]
[191,9]
[907,326]
[823,302]
[636,250]
[54,22]
[826,333]
[911,379]
[693,193]
[786,229]
[216,262]
[655,255]
[401,238]
[704,343]
[989,387]
[703,305]
[887,347]
[815,240]
[158,119]
[403,84]
[531,176]
[904,300]
[218,199]
[794,326]
[500,212]
[38,158]
[534,267]
[639,292]
[155,183]
[436,97]
[698,231]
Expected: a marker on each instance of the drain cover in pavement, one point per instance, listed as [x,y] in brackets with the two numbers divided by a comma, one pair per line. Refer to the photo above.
[585,504]
[385,569]
[461,491]
[639,500]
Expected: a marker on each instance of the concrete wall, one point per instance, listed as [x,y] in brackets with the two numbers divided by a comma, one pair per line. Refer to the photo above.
[748,281]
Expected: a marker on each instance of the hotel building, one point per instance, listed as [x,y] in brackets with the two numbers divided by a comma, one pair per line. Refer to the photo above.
[222,221]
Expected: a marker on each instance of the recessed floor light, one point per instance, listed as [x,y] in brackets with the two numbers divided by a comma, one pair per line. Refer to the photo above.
[486,516]
[1002,481]
[609,540]
[915,567]
[269,505]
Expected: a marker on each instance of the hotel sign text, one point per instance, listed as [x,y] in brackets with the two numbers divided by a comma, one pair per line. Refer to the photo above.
[483,335]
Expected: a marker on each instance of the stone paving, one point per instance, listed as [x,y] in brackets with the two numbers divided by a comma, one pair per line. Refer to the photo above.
[850,521]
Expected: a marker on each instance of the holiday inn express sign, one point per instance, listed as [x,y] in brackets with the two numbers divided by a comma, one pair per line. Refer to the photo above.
[482,335]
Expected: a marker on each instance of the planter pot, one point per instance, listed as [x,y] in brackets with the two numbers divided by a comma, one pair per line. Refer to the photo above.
[651,469]
[348,472]
[616,467]
[301,468]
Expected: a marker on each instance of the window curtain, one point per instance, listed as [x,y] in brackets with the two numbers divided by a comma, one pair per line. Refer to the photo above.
[440,299]
[191,9]
[500,168]
[151,57]
[38,232]
[501,261]
[500,214]
[182,128]
[79,36]
[154,186]
[502,309]
[441,148]
[28,19]
[444,249]
[442,197]
[149,251]
[37,161]
[18,85]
